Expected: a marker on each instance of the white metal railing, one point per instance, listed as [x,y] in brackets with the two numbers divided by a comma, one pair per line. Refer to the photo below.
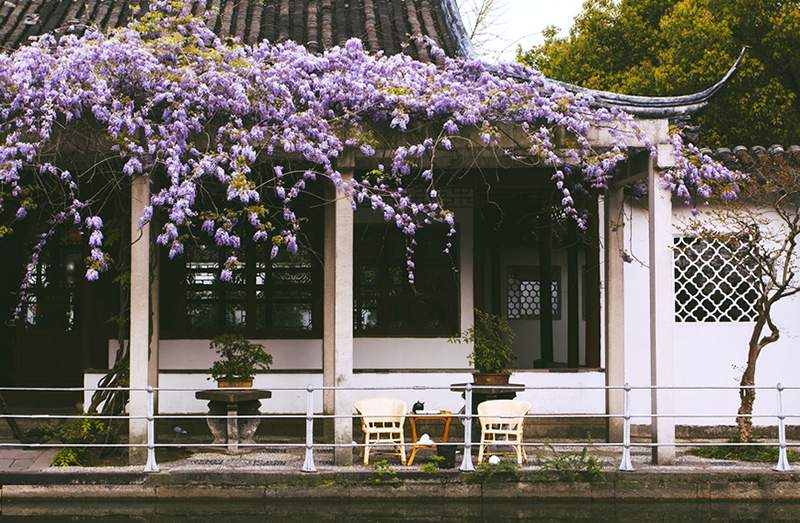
[467,465]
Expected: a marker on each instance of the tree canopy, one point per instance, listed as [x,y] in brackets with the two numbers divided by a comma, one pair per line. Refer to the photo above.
[673,47]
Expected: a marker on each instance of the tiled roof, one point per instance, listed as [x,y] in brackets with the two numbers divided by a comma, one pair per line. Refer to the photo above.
[758,160]
[385,25]
[318,24]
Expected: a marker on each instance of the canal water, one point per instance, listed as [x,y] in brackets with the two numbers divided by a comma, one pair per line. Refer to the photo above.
[224,511]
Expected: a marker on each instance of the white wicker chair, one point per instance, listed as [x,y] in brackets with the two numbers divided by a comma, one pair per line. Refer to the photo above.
[382,420]
[502,423]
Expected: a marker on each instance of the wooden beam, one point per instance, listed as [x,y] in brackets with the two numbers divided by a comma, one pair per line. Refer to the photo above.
[573,309]
[494,262]
[591,291]
[545,285]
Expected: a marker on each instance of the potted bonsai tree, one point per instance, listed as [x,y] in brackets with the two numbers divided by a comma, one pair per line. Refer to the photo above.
[491,354]
[238,362]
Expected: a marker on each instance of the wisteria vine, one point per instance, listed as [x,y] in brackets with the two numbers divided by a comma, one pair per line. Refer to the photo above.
[172,99]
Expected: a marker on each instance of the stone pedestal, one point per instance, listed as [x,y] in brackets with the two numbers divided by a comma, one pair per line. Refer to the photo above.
[233,431]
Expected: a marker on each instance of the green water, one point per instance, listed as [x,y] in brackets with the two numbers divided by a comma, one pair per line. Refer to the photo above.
[223,511]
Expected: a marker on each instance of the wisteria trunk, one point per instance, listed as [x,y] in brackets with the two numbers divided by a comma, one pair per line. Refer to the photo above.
[747,396]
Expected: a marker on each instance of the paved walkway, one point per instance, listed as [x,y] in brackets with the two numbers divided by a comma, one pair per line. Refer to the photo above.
[25,460]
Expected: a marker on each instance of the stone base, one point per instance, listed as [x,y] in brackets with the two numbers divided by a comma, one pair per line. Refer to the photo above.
[234,432]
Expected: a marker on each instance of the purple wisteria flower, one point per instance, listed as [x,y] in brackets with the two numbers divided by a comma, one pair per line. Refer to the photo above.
[208,113]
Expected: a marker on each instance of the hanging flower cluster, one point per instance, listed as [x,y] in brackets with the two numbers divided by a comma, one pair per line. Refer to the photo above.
[697,176]
[194,112]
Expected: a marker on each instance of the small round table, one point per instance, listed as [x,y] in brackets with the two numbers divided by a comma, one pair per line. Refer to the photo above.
[444,416]
[233,403]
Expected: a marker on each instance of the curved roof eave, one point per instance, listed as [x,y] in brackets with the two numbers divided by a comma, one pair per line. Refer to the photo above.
[658,106]
[458,32]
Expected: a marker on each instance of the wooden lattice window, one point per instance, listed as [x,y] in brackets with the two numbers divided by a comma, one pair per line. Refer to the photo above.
[524,293]
[384,302]
[279,297]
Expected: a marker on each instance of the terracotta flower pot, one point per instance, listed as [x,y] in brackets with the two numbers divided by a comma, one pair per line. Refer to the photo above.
[491,378]
[235,383]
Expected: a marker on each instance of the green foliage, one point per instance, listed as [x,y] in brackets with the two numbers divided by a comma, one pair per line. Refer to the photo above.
[492,337]
[486,472]
[385,471]
[569,466]
[38,435]
[432,465]
[87,430]
[83,431]
[673,47]
[761,454]
[238,358]
[67,458]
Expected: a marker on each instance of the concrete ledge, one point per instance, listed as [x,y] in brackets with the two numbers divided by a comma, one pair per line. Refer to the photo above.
[364,486]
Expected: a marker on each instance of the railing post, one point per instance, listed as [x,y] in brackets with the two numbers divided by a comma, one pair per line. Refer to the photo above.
[151,465]
[308,464]
[466,462]
[625,464]
[783,458]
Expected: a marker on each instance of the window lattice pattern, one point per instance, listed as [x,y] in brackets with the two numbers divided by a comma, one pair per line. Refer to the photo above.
[714,281]
[524,294]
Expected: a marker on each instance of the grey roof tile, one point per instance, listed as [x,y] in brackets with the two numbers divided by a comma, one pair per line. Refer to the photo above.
[383,25]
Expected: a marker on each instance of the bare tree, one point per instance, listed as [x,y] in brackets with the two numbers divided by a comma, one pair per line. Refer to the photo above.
[763,223]
[481,19]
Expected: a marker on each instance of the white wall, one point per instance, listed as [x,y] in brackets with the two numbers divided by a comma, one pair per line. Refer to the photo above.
[706,354]
[368,353]
[397,385]
[196,355]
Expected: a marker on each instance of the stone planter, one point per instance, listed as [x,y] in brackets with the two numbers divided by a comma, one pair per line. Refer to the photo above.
[235,383]
[490,378]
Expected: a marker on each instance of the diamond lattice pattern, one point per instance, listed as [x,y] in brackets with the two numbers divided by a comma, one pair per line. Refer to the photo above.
[715,281]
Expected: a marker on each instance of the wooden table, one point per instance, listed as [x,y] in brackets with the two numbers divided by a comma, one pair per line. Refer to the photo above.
[444,416]
[233,403]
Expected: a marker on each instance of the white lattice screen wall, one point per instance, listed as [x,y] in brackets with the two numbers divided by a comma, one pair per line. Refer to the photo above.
[714,281]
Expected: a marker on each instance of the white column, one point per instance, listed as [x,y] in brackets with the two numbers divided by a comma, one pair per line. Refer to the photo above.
[615,307]
[337,358]
[155,331]
[662,311]
[139,341]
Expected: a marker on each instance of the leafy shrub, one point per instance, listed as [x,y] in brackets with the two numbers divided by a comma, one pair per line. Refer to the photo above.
[570,466]
[760,454]
[88,431]
[238,357]
[66,458]
[491,337]
[39,434]
[386,472]
[486,472]
[432,465]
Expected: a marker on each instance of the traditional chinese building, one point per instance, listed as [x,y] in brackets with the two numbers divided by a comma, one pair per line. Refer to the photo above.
[622,303]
